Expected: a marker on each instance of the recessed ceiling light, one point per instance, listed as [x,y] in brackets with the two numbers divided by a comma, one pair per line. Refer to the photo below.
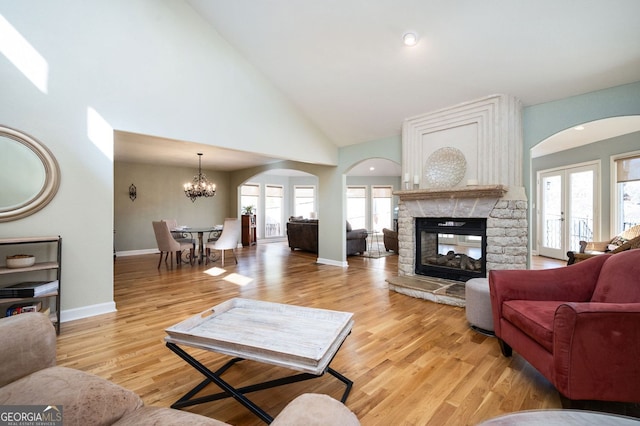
[410,39]
[371,168]
[578,128]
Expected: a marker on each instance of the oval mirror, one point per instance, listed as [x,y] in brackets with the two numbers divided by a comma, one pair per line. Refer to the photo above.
[29,175]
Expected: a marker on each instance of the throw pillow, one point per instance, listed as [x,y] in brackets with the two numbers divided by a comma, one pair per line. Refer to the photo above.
[349,228]
[618,241]
[615,243]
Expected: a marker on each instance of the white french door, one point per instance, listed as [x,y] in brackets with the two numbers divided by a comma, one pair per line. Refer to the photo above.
[567,212]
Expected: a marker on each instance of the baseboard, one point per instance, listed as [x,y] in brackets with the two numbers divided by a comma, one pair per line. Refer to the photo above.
[332,262]
[136,252]
[87,311]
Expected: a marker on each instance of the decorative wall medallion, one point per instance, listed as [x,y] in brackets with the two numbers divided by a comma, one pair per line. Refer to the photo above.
[445,168]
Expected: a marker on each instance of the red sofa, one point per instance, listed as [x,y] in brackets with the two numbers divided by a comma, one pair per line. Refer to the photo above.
[578,325]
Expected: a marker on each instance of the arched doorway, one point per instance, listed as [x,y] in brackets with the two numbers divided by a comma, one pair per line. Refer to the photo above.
[369,200]
[574,182]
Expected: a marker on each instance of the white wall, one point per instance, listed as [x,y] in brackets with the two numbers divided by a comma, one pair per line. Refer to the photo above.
[147,66]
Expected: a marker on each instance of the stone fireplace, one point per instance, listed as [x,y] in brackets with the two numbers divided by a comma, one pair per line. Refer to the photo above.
[488,132]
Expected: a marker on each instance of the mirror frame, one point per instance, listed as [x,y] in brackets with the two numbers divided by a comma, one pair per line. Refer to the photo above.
[52,176]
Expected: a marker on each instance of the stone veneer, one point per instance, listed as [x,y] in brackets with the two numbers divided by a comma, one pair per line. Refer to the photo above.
[505,211]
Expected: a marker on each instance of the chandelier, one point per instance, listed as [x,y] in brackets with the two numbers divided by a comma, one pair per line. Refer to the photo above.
[199,186]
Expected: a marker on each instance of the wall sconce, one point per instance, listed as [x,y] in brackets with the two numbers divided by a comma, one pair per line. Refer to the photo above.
[133,192]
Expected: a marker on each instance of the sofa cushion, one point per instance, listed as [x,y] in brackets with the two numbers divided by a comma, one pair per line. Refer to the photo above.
[312,409]
[534,318]
[28,345]
[618,280]
[158,416]
[85,398]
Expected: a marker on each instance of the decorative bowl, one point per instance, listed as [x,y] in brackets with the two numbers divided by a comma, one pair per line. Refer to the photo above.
[20,261]
[445,168]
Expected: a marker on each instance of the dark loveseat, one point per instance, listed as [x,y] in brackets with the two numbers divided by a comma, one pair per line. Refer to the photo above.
[303,234]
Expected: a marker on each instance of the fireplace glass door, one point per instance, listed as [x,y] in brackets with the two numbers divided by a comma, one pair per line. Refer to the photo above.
[453,249]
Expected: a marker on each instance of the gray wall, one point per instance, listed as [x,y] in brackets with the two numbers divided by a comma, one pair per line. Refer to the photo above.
[161,196]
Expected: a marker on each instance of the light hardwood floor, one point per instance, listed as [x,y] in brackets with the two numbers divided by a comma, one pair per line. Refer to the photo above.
[413,362]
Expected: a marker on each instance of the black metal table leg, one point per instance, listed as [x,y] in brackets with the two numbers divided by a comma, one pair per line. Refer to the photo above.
[229,391]
[344,380]
[215,378]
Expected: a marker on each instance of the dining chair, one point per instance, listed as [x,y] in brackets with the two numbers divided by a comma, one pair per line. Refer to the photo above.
[179,236]
[228,240]
[168,245]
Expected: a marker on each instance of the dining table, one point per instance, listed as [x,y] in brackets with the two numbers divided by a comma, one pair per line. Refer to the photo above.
[214,232]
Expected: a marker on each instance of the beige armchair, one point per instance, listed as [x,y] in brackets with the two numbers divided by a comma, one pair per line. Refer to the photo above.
[629,239]
[168,245]
[228,239]
[179,236]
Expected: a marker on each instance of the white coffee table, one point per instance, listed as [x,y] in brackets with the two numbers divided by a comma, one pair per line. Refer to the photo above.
[299,338]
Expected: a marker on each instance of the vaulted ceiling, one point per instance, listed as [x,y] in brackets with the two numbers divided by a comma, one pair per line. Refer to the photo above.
[342,62]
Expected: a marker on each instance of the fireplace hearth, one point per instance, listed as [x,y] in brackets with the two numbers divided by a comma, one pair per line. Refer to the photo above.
[450,248]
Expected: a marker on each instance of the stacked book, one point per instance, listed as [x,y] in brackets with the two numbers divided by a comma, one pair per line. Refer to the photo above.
[24,308]
[29,289]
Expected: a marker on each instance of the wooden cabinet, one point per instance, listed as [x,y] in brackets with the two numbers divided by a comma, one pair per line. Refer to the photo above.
[47,268]
[248,229]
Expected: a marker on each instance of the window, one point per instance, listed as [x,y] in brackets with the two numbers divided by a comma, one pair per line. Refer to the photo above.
[381,206]
[250,196]
[627,172]
[356,206]
[273,211]
[304,199]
